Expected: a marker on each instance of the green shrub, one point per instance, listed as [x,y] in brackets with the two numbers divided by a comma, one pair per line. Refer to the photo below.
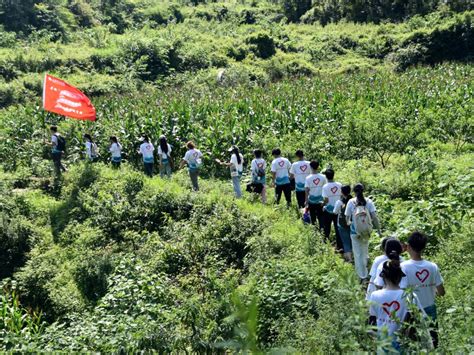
[261,44]
[91,275]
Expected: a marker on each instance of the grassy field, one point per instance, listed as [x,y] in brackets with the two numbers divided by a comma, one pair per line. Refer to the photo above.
[111,261]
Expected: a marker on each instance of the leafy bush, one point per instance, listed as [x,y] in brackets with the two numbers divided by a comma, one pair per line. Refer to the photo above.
[261,44]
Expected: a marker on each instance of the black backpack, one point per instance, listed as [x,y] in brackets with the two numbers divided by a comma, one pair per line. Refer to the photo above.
[61,143]
[341,218]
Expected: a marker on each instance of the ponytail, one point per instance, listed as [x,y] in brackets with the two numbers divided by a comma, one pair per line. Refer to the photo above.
[359,192]
[236,151]
[392,271]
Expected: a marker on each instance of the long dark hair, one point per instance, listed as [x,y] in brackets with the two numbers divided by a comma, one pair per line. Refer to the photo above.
[235,151]
[145,138]
[346,190]
[163,144]
[89,137]
[392,271]
[359,192]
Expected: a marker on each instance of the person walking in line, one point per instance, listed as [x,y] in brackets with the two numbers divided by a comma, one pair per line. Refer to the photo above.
[236,165]
[116,152]
[331,194]
[58,146]
[390,307]
[373,270]
[314,194]
[424,278]
[281,177]
[361,215]
[299,171]
[91,148]
[146,151]
[193,159]
[393,249]
[342,226]
[164,154]
[258,169]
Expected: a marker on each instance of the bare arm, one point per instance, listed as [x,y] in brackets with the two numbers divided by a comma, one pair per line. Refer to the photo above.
[440,291]
[183,163]
[375,220]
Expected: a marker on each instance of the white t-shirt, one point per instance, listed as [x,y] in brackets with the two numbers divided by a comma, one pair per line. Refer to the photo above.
[281,166]
[390,307]
[423,276]
[236,169]
[146,149]
[193,158]
[315,183]
[54,141]
[300,169]
[332,191]
[351,207]
[257,164]
[91,150]
[164,156]
[116,150]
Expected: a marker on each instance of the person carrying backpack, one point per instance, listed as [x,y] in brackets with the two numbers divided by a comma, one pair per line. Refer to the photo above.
[361,215]
[91,148]
[258,168]
[146,150]
[342,226]
[193,159]
[58,146]
[298,172]
[164,153]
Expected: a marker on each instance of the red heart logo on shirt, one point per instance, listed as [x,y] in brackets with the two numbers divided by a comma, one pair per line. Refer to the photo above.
[334,189]
[195,154]
[303,168]
[260,165]
[389,308]
[281,163]
[316,181]
[148,147]
[422,275]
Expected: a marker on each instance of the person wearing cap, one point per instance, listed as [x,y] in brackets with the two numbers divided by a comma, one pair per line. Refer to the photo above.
[281,177]
[146,151]
[361,213]
[193,159]
[236,165]
[164,154]
[299,170]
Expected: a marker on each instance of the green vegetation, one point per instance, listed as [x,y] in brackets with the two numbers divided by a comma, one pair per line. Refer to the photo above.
[123,46]
[112,261]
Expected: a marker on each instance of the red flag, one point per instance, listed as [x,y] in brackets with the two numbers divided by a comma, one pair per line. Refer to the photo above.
[66,100]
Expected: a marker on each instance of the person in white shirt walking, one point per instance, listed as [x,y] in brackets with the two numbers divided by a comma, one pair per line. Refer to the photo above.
[281,177]
[236,165]
[116,152]
[424,278]
[299,171]
[91,148]
[331,194]
[342,226]
[314,194]
[258,169]
[361,215]
[193,159]
[146,150]
[164,154]
[390,307]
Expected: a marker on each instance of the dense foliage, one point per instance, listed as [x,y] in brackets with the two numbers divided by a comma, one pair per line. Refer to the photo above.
[110,261]
[123,46]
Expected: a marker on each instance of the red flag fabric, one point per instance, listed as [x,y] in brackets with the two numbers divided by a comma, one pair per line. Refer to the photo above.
[64,99]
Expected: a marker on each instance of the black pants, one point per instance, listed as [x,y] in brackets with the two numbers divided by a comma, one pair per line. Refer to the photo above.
[58,166]
[301,198]
[331,218]
[148,169]
[316,214]
[116,164]
[286,189]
